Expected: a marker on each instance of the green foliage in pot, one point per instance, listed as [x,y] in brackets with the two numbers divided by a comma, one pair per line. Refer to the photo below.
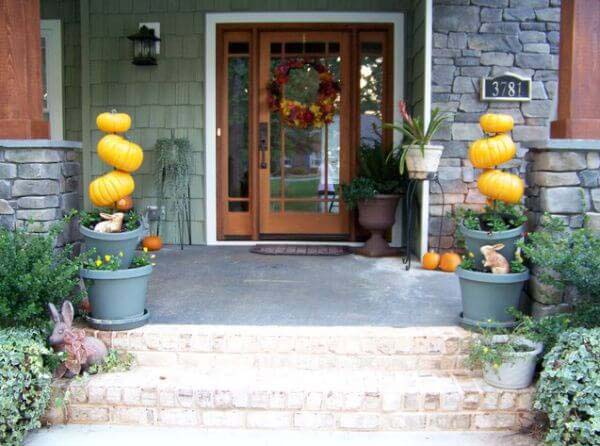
[565,257]
[113,263]
[497,217]
[516,266]
[484,351]
[89,219]
[24,384]
[415,132]
[568,391]
[34,273]
[377,174]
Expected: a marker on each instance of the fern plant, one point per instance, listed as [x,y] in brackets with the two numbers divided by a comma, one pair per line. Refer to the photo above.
[173,172]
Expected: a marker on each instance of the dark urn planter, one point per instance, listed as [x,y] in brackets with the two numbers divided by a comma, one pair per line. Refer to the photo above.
[474,240]
[487,296]
[377,215]
[117,298]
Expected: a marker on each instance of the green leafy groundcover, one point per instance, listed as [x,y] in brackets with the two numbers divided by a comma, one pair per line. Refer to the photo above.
[569,389]
[24,384]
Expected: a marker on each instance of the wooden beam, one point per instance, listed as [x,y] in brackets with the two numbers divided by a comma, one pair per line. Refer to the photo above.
[579,71]
[20,71]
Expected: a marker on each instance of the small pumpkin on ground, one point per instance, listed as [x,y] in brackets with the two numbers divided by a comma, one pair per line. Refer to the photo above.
[430,260]
[450,261]
[113,122]
[496,123]
[152,243]
[124,204]
[110,188]
[499,185]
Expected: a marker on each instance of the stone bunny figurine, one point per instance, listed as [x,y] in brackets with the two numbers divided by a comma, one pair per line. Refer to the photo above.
[494,260]
[113,223]
[82,351]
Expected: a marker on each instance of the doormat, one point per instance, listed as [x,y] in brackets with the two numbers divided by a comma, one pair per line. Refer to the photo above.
[301,250]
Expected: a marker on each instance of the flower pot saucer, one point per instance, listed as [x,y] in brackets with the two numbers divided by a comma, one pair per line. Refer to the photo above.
[475,325]
[118,324]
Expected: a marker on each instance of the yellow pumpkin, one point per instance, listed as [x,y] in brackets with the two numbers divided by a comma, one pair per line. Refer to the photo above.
[486,153]
[502,186]
[430,260]
[120,153]
[113,122]
[450,261]
[496,123]
[110,188]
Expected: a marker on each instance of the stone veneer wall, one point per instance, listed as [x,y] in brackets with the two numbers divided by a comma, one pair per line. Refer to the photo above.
[564,181]
[40,180]
[476,38]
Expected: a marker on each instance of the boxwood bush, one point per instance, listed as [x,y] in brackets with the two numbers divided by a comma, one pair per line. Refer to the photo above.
[568,391]
[24,384]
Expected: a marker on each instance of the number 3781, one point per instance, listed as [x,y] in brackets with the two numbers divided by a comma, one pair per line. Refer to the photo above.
[507,88]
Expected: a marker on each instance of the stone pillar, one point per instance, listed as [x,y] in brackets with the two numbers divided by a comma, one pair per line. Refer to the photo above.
[40,182]
[20,71]
[563,177]
[579,71]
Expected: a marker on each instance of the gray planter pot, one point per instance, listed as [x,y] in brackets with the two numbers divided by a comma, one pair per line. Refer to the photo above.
[113,243]
[117,298]
[476,239]
[487,296]
[518,372]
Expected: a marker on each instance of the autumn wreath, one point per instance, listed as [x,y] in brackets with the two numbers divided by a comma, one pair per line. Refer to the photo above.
[296,114]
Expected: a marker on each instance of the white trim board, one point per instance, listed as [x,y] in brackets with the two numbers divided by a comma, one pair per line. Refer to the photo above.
[51,31]
[212,20]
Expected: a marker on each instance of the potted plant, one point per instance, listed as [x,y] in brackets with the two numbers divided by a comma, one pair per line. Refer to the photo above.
[508,360]
[421,158]
[487,294]
[499,222]
[117,296]
[375,192]
[124,241]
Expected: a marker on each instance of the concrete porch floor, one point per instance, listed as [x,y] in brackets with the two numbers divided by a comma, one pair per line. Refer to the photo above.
[231,286]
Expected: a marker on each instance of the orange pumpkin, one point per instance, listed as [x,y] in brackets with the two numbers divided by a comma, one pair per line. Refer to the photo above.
[124,204]
[430,260]
[450,261]
[152,243]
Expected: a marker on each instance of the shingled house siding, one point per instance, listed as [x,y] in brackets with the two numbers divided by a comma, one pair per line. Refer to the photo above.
[475,38]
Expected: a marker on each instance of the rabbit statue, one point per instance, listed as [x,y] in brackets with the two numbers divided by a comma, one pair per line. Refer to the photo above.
[82,351]
[112,223]
[494,260]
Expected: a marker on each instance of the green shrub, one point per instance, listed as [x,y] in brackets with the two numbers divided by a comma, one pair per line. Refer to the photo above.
[33,273]
[24,384]
[568,391]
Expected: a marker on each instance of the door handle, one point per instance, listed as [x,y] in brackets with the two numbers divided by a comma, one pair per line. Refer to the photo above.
[263,143]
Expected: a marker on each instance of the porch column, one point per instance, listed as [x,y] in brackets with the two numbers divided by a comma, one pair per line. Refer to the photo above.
[20,71]
[579,71]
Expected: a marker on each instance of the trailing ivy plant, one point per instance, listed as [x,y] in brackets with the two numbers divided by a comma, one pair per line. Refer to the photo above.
[173,173]
[24,383]
[568,391]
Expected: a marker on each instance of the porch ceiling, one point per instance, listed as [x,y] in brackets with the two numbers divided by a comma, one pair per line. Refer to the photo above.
[230,285]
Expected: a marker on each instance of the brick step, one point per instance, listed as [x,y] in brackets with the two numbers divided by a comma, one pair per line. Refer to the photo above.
[293,399]
[313,348]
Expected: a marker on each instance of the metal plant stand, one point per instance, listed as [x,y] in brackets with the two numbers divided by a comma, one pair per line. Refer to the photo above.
[411,196]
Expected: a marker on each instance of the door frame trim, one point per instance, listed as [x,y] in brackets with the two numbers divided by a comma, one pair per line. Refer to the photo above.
[212,20]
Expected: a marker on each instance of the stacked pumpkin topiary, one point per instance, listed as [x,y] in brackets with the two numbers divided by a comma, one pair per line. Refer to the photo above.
[491,151]
[116,279]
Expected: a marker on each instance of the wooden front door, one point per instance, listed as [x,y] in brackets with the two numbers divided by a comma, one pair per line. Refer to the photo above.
[277,181]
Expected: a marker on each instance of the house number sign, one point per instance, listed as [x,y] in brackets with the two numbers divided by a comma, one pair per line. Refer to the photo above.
[506,87]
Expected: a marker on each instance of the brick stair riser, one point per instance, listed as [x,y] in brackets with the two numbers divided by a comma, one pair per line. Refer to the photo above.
[429,362]
[469,410]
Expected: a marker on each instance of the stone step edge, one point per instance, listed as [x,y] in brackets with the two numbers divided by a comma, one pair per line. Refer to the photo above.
[287,419]
[291,340]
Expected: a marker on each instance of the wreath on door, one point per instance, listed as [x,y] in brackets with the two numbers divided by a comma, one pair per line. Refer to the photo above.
[298,114]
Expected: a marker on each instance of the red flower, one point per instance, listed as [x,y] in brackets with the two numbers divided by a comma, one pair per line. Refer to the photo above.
[404,112]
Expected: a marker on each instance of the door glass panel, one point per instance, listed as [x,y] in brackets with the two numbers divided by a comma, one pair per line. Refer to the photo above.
[371,91]
[305,162]
[238,153]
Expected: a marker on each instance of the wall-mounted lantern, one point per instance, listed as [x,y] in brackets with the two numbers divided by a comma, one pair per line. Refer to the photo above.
[145,44]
